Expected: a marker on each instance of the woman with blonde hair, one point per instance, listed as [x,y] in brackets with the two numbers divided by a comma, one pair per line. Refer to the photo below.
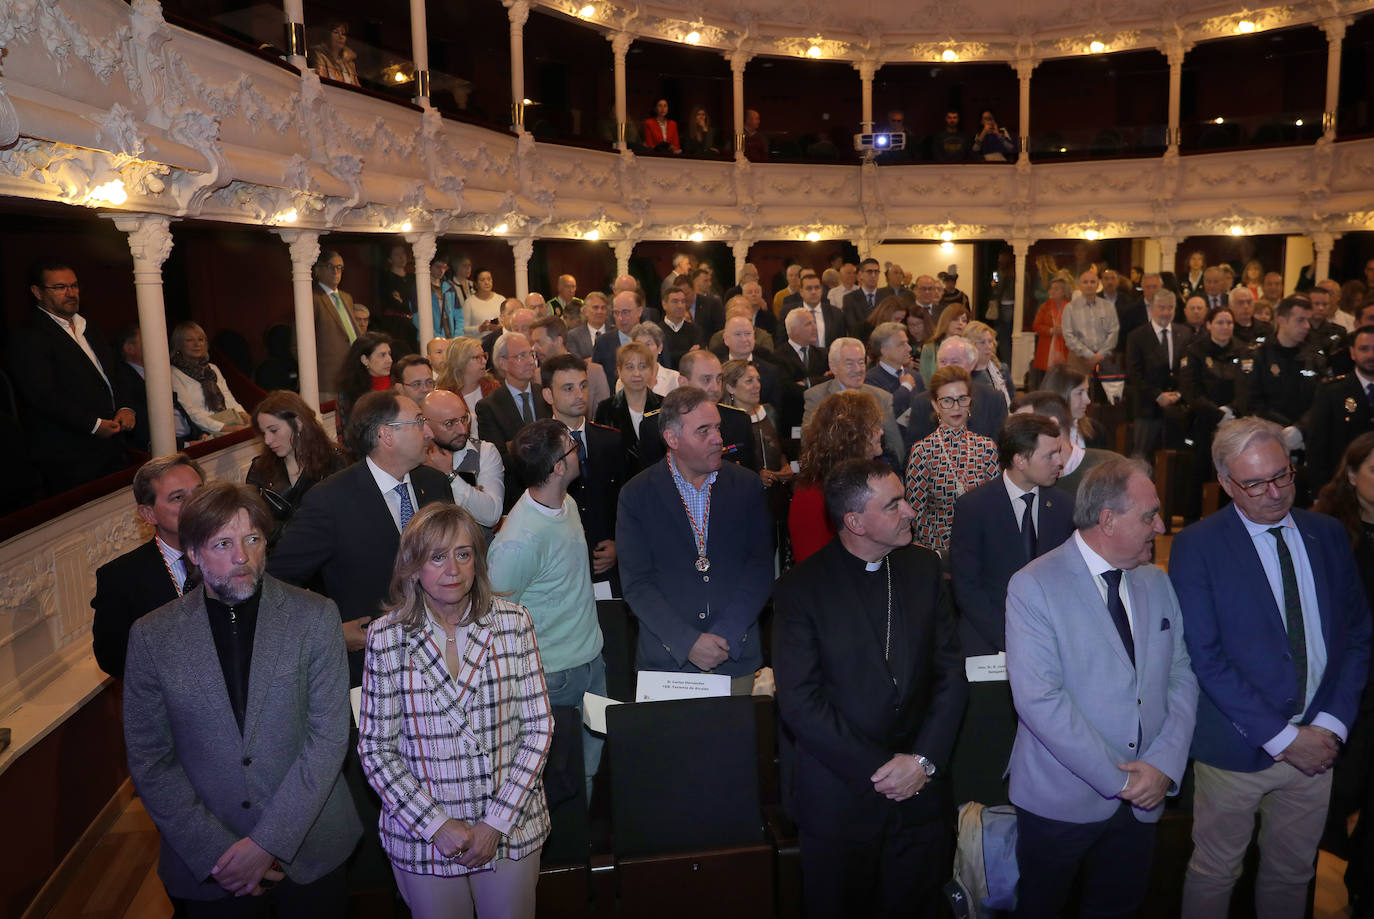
[455,727]
[987,369]
[952,320]
[846,425]
[200,386]
[465,373]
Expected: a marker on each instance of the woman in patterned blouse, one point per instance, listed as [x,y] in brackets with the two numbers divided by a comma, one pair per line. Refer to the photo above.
[947,463]
[455,727]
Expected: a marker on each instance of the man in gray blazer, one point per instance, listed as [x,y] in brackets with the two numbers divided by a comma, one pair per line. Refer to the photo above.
[848,366]
[1106,701]
[236,718]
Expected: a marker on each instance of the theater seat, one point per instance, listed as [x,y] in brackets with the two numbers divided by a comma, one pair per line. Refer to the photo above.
[619,631]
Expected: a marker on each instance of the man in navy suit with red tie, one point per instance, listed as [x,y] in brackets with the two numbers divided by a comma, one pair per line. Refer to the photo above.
[999,528]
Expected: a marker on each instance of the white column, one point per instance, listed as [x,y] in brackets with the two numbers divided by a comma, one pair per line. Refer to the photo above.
[423,246]
[1335,33]
[519,11]
[1322,243]
[866,71]
[623,250]
[150,242]
[738,59]
[1175,50]
[305,252]
[620,45]
[1024,66]
[523,248]
[1168,252]
[419,51]
[740,248]
[295,32]
[1022,343]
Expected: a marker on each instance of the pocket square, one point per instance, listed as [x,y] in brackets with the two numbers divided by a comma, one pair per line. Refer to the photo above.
[1164,625]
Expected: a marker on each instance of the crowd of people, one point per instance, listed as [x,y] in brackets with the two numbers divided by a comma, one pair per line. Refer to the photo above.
[944,536]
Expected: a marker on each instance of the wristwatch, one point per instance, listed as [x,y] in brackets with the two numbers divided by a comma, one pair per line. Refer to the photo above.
[925,764]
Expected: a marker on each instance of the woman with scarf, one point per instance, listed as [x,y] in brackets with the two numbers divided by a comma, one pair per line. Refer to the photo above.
[199,386]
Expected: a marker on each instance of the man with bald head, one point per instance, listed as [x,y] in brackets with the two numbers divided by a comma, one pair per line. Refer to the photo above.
[536,304]
[738,344]
[474,468]
[1214,287]
[513,404]
[1090,326]
[986,411]
[566,304]
[626,312]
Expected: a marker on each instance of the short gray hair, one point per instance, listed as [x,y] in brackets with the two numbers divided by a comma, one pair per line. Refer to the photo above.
[838,345]
[1165,295]
[1236,436]
[1104,487]
[1239,293]
[794,318]
[963,344]
[649,330]
[498,350]
[884,332]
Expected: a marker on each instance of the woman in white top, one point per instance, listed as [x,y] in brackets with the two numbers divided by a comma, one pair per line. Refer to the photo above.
[200,387]
[987,369]
[482,311]
[465,373]
[661,380]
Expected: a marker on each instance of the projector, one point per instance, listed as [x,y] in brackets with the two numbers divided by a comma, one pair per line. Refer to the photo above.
[879,142]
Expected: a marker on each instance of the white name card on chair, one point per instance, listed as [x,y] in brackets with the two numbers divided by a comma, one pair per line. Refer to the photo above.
[662,686]
[986,668]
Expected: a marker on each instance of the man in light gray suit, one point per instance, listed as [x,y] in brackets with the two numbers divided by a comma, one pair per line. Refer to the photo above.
[1106,701]
[236,719]
[848,366]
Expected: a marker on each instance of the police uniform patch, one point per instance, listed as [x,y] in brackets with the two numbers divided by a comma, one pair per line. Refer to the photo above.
[1274,369]
[1350,405]
[1209,363]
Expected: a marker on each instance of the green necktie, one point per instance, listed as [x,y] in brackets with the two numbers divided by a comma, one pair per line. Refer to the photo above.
[1292,613]
[346,319]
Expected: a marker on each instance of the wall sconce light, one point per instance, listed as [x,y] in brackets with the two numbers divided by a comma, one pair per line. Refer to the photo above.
[813,237]
[696,237]
[287,216]
[1237,230]
[947,235]
[111,192]
[501,228]
[407,227]
[813,52]
[587,12]
[1091,235]
[592,236]
[1245,27]
[1298,123]
[1218,121]
[949,55]
[946,247]
[693,37]
[1097,47]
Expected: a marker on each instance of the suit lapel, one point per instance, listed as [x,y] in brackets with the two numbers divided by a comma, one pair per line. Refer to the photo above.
[373,504]
[269,637]
[75,354]
[1316,560]
[198,657]
[1252,572]
[1090,599]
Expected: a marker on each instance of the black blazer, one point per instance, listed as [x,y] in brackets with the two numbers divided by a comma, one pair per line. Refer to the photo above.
[835,326]
[988,412]
[1131,314]
[45,361]
[856,312]
[770,376]
[499,420]
[985,551]
[597,489]
[1340,413]
[603,352]
[615,413]
[344,533]
[837,700]
[126,588]
[808,374]
[709,316]
[736,432]
[130,386]
[676,344]
[1148,371]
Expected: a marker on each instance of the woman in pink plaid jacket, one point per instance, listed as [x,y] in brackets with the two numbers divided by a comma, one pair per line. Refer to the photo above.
[455,728]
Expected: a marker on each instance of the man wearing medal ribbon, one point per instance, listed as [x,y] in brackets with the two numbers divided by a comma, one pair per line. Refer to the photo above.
[693,536]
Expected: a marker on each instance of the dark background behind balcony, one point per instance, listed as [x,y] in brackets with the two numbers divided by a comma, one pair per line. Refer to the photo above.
[686,77]
[924,92]
[808,109]
[1100,105]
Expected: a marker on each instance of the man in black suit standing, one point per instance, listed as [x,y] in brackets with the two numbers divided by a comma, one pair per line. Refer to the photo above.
[1153,352]
[702,370]
[999,528]
[600,457]
[64,374]
[1342,410]
[705,309]
[626,311]
[680,333]
[738,344]
[874,708]
[802,360]
[860,304]
[830,322]
[349,526]
[141,580]
[1135,310]
[512,405]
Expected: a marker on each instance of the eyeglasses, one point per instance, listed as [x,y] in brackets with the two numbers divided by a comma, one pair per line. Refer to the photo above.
[450,423]
[338,267]
[402,424]
[1257,488]
[61,288]
[420,386]
[952,401]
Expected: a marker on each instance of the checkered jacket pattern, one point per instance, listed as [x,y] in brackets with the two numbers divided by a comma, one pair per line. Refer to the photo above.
[471,747]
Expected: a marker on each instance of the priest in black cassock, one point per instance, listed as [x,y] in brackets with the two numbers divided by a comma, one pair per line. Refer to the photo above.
[870,683]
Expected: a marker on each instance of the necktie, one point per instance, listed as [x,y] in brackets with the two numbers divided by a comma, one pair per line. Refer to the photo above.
[1292,614]
[1118,610]
[1369,393]
[870,294]
[820,336]
[346,319]
[526,410]
[805,355]
[1168,344]
[1028,536]
[581,451]
[407,509]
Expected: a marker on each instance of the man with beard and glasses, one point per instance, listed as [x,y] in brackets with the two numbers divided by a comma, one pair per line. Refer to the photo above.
[474,468]
[236,722]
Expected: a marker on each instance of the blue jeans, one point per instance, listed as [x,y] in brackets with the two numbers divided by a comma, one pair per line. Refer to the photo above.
[566,687]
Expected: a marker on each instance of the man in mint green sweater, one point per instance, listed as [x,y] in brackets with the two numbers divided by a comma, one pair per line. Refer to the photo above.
[539,559]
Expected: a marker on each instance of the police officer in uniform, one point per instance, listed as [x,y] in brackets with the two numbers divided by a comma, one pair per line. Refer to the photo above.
[1286,373]
[1325,337]
[1342,410]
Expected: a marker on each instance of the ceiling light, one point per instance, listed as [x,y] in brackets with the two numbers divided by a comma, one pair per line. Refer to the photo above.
[111,192]
[813,237]
[947,235]
[407,227]
[1298,122]
[1091,235]
[814,51]
[1245,27]
[1237,230]
[400,77]
[693,37]
[1063,149]
[526,102]
[501,228]
[695,237]
[1218,121]
[946,247]
[286,216]
[592,235]
[949,55]
[1097,47]
[587,12]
